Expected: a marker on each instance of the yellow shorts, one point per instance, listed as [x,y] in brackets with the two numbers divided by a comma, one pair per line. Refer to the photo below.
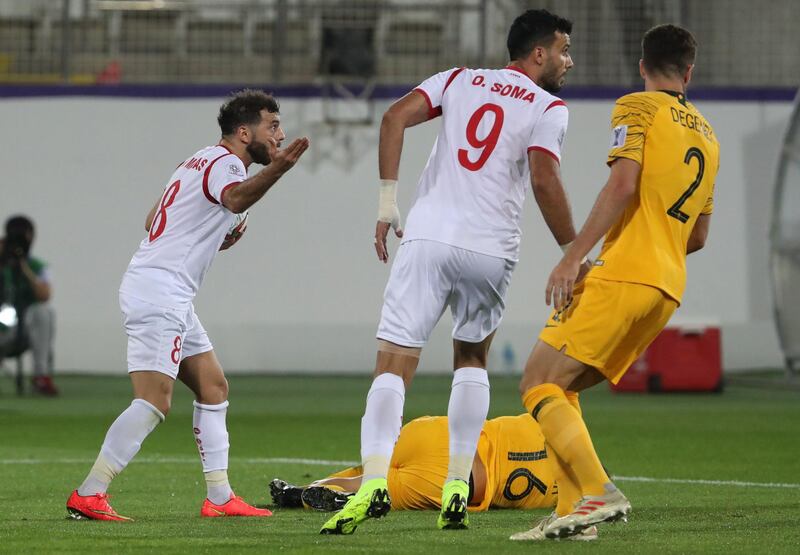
[609,324]
[419,464]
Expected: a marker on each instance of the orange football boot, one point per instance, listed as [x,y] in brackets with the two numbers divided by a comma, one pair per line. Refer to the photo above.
[92,507]
[236,506]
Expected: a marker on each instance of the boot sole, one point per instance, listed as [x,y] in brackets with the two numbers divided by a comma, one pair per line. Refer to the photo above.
[570,531]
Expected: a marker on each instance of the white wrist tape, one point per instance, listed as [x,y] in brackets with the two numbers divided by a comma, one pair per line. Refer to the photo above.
[387,203]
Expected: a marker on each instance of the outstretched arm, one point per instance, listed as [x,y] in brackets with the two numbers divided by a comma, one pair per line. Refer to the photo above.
[407,112]
[609,206]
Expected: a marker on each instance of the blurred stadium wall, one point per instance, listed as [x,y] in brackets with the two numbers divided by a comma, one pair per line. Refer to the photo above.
[100,100]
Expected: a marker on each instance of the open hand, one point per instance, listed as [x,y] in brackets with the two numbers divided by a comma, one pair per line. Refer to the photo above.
[284,159]
[381,231]
[561,283]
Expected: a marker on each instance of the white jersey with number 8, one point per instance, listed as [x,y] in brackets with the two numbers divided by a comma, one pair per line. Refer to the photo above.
[189,226]
[471,192]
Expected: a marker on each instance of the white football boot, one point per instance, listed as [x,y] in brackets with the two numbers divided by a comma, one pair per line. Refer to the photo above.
[537,532]
[591,510]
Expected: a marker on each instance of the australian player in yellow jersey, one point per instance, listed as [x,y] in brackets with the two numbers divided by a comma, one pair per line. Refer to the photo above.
[510,471]
[654,210]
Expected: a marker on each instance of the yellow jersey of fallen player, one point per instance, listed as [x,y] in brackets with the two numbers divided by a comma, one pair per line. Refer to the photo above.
[518,474]
[511,448]
[679,157]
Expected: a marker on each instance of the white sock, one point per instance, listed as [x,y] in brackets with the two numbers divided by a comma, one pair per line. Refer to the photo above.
[218,488]
[211,436]
[466,413]
[381,424]
[123,440]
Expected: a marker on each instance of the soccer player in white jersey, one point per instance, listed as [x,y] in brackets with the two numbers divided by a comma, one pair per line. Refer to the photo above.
[501,129]
[186,228]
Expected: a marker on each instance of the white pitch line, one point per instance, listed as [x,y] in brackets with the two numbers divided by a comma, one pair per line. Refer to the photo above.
[736,483]
[323,462]
[188,460]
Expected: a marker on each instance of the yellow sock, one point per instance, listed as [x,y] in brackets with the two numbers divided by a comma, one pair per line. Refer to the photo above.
[569,492]
[351,472]
[572,398]
[566,433]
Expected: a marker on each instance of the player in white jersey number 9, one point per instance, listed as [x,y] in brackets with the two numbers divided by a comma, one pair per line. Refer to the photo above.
[501,132]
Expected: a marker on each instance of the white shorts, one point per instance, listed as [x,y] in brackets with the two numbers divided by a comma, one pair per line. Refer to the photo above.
[159,338]
[427,277]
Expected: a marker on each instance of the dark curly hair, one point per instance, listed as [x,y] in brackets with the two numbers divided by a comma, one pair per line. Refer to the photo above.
[668,50]
[244,108]
[534,28]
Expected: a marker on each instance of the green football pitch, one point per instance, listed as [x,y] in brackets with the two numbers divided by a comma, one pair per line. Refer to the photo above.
[705,473]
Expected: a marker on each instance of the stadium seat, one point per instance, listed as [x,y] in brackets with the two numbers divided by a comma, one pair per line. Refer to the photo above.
[87,36]
[214,37]
[149,32]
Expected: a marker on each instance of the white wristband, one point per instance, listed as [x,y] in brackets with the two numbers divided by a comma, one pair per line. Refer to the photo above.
[387,203]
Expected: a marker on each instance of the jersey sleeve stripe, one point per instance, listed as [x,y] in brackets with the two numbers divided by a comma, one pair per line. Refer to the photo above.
[556,103]
[432,112]
[550,153]
[206,175]
[451,78]
[626,155]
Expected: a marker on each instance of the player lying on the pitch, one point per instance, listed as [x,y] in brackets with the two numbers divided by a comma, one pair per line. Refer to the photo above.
[509,471]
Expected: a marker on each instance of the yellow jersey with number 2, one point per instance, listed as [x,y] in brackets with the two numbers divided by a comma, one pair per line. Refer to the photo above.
[679,157]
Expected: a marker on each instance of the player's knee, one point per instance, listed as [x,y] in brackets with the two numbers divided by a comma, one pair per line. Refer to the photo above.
[156,391]
[531,378]
[214,392]
[222,389]
[525,384]
[161,402]
[472,359]
[471,354]
[397,359]
[39,314]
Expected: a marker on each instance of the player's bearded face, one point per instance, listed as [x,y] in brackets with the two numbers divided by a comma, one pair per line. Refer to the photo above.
[559,62]
[268,128]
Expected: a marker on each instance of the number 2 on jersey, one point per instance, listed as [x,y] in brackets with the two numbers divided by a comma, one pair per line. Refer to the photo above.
[675,209]
[159,223]
[488,143]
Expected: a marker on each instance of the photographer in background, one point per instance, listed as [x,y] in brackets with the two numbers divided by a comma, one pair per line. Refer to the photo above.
[25,288]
